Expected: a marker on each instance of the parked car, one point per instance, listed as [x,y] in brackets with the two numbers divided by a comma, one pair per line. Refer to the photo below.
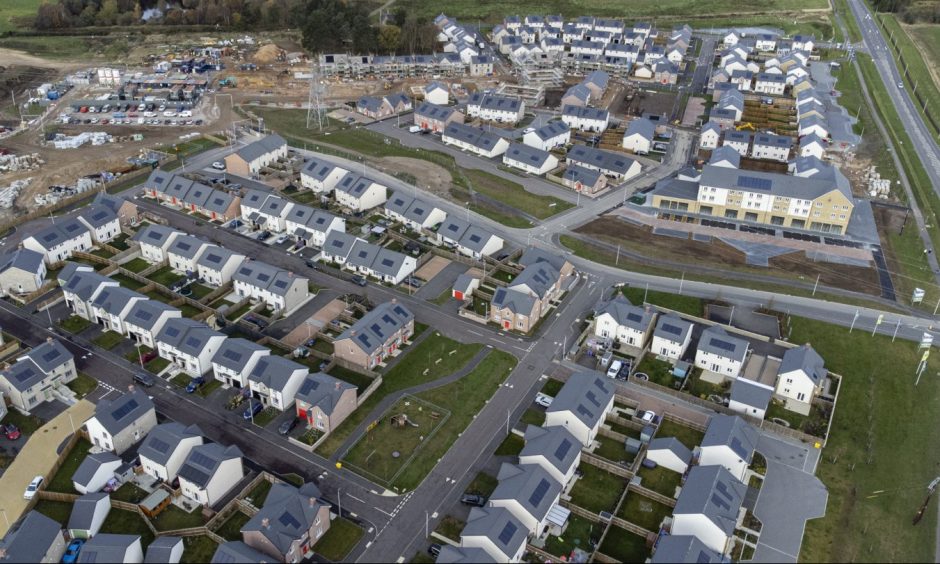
[360,280]
[414,282]
[647,416]
[11,432]
[71,552]
[472,499]
[259,323]
[195,384]
[281,240]
[218,165]
[286,427]
[312,264]
[145,379]
[434,550]
[33,487]
[235,224]
[614,369]
[543,399]
[264,235]
[254,408]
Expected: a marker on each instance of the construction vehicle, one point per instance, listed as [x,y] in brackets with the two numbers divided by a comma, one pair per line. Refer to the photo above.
[746,125]
[229,81]
[930,490]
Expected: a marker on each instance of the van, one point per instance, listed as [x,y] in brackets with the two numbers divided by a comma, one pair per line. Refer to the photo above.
[614,369]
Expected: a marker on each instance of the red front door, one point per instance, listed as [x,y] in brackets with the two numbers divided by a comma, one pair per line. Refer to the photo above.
[507,325]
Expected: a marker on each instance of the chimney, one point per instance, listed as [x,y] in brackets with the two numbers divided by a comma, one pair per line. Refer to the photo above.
[312,501]
[337,385]
[352,333]
[130,389]
[266,523]
[394,300]
[48,339]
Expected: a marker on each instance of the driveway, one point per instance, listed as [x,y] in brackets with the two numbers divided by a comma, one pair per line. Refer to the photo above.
[443,280]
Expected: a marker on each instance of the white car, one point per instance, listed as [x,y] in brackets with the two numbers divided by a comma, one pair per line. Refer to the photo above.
[648,416]
[218,165]
[280,240]
[543,400]
[614,369]
[33,487]
[169,113]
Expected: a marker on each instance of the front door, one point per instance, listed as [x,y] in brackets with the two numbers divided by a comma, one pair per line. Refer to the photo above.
[507,325]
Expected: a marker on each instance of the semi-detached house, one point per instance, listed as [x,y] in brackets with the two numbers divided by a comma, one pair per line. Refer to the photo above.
[496,531]
[112,306]
[309,226]
[21,272]
[582,405]
[235,360]
[467,239]
[289,524]
[101,221]
[154,241]
[585,118]
[58,241]
[209,472]
[275,381]
[166,447]
[552,134]
[376,336]
[615,165]
[359,193]
[80,285]
[281,290]
[529,492]
[217,265]
[146,319]
[189,344]
[185,251]
[320,176]
[415,213]
[555,449]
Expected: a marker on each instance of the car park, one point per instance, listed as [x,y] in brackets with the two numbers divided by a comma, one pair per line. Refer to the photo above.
[33,487]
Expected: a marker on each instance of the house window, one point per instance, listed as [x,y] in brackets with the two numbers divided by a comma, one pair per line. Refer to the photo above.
[801,396]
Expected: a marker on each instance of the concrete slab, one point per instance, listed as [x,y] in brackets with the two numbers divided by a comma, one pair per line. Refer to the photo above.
[311,324]
[442,281]
[431,268]
[819,256]
[701,238]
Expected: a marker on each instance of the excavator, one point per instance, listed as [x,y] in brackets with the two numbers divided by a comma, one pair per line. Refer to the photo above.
[746,125]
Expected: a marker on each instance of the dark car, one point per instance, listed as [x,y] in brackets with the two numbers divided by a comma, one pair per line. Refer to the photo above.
[235,224]
[287,426]
[502,256]
[264,235]
[253,409]
[475,500]
[144,379]
[312,264]
[360,280]
[11,432]
[414,282]
[71,553]
[434,550]
[259,323]
[195,384]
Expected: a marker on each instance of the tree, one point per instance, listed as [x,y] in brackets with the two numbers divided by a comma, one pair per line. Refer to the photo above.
[88,16]
[389,36]
[108,13]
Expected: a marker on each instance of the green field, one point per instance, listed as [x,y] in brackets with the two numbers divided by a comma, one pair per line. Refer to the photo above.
[10,9]
[916,62]
[339,540]
[514,195]
[878,405]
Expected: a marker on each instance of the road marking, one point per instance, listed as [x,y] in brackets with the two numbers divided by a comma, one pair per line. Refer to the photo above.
[354,497]
[471,331]
[383,511]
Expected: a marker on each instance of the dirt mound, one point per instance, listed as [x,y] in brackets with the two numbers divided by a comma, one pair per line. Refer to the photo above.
[267,54]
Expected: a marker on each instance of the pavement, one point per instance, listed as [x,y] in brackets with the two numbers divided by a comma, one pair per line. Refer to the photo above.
[839,120]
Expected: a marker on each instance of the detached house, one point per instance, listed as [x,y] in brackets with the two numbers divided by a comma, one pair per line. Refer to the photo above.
[289,524]
[21,272]
[436,93]
[324,402]
[730,442]
[275,380]
[188,344]
[709,507]
[108,547]
[671,337]
[251,158]
[166,447]
[529,493]
[359,193]
[624,322]
[120,423]
[146,319]
[720,353]
[58,241]
[154,241]
[496,531]
[37,375]
[209,472]
[554,449]
[320,176]
[237,551]
[281,290]
[235,360]
[217,265]
[639,136]
[800,378]
[376,336]
[310,226]
[582,405]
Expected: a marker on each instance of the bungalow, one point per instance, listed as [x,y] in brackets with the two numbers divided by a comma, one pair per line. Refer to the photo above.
[126,210]
[436,93]
[671,337]
[685,549]
[812,145]
[154,241]
[800,378]
[88,514]
[529,159]
[166,549]
[166,447]
[740,141]
[725,156]
[554,449]
[250,159]
[497,531]
[324,402]
[624,322]
[37,538]
[475,140]
[217,265]
[413,212]
[709,507]
[185,252]
[37,375]
[112,305]
[146,319]
[585,119]
[772,147]
[376,336]
[582,405]
[470,240]
[710,133]
[552,134]
[101,221]
[275,380]
[280,289]
[577,95]
[720,353]
[188,344]
[638,137]
[431,117]
[310,226]
[749,397]
[583,179]
[237,551]
[289,524]
[615,165]
[21,272]
[766,83]
[320,176]
[493,107]
[120,423]
[359,193]
[669,453]
[382,263]
[529,492]
[235,360]
[209,472]
[729,442]
[58,241]
[95,471]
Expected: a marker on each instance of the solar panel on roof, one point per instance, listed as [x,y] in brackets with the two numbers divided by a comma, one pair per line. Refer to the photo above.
[754,182]
[263,277]
[671,329]
[509,531]
[200,459]
[388,262]
[280,284]
[143,315]
[193,342]
[172,331]
[584,411]
[288,520]
[51,355]
[124,409]
[159,445]
[538,494]
[25,373]
[562,451]
[723,345]
[634,317]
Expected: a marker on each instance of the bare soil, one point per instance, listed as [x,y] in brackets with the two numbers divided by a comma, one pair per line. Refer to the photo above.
[431,177]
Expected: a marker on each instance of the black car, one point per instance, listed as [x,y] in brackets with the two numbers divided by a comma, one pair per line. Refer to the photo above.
[287,426]
[434,550]
[414,282]
[264,235]
[475,500]
[260,323]
[144,379]
[312,264]
[360,280]
[502,256]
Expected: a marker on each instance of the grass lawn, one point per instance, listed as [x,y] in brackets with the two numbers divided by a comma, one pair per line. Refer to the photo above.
[514,195]
[683,304]
[624,546]
[199,291]
[127,282]
[267,415]
[422,557]
[688,436]
[109,339]
[483,484]
[103,253]
[613,450]
[231,528]
[342,537]
[181,380]
[198,549]
[27,424]
[234,315]
[257,496]
[450,527]
[511,445]
[659,371]
[878,405]
[533,416]
[173,518]
[165,276]
[410,371]
[293,479]
[136,265]
[597,490]
[58,511]
[74,324]
[157,365]
[82,385]
[361,381]
[159,296]
[123,522]
[189,310]
[208,388]
[701,389]
[62,481]
[13,10]
[580,533]
[120,242]
[444,297]
[660,480]
[129,493]
[643,511]
[552,387]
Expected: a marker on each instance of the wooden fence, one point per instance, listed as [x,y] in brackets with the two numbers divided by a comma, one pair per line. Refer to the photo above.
[605,464]
[544,556]
[624,524]
[656,496]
